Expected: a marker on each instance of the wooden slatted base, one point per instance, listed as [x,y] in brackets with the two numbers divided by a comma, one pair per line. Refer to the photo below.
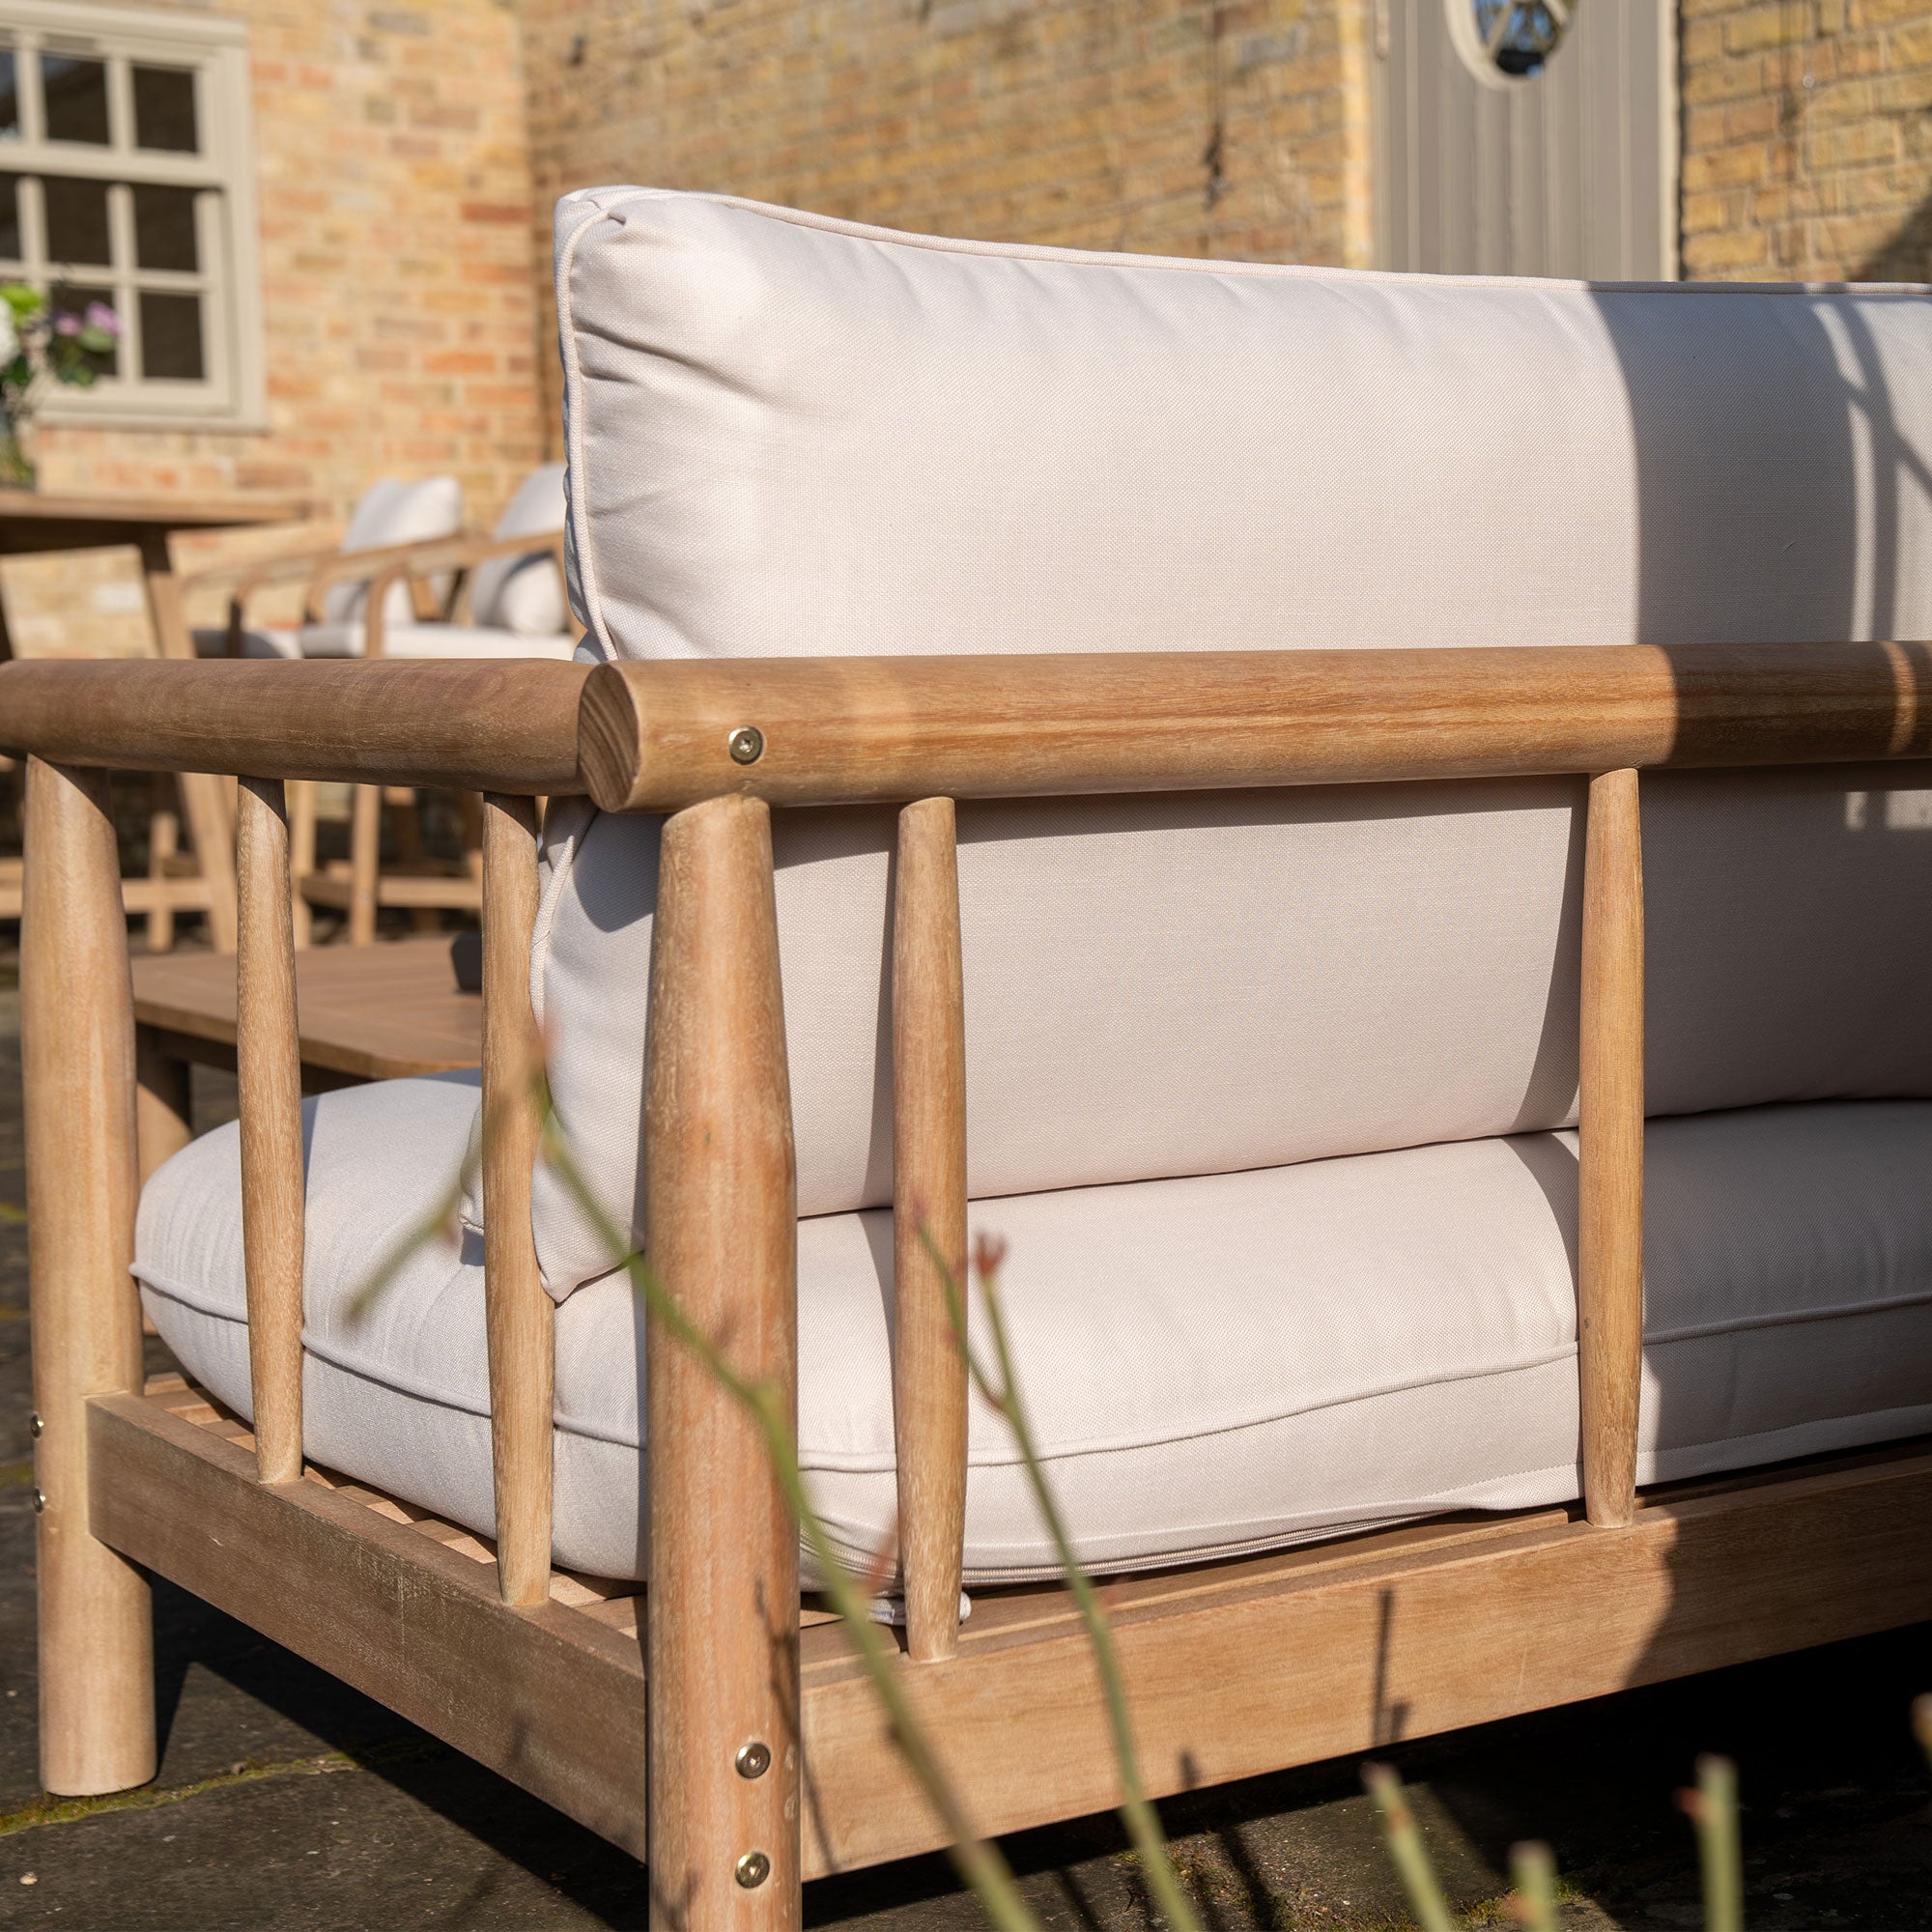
[1234,1668]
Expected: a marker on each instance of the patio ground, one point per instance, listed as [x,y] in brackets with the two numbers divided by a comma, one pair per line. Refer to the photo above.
[286,1800]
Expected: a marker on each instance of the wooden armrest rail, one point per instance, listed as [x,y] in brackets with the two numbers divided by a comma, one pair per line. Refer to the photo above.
[659,736]
[439,556]
[507,725]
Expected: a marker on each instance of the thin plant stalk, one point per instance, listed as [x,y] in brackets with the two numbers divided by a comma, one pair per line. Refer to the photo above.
[1533,1871]
[1713,1809]
[1407,1852]
[1142,1821]
[978,1864]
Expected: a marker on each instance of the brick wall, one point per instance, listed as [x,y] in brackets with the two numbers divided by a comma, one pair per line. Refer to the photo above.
[1808,139]
[399,293]
[1162,125]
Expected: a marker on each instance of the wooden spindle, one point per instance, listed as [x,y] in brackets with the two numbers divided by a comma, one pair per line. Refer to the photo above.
[96,1681]
[365,860]
[1609,1286]
[721,1204]
[928,1203]
[267,1062]
[518,1309]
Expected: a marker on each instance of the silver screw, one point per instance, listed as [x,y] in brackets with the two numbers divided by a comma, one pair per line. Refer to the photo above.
[35,1425]
[752,1870]
[40,1501]
[753,1759]
[747,744]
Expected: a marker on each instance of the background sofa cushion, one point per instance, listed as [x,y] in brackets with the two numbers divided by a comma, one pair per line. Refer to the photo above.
[1213,1364]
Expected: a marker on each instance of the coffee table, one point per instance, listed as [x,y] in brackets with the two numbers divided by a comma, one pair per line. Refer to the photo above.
[366,1013]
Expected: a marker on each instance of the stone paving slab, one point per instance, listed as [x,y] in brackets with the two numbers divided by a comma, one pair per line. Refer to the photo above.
[285,1800]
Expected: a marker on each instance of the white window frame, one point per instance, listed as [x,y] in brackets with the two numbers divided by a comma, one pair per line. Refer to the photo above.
[232,394]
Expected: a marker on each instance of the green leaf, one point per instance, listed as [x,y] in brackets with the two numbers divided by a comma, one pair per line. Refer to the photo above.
[24,301]
[96,341]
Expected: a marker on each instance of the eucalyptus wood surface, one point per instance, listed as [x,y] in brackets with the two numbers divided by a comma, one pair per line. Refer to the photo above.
[96,1681]
[377,1012]
[267,1060]
[722,1233]
[519,1312]
[481,726]
[1233,1667]
[656,736]
[929,1383]
[1609,1133]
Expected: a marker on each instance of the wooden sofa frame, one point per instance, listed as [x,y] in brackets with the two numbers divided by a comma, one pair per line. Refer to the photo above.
[1233,1667]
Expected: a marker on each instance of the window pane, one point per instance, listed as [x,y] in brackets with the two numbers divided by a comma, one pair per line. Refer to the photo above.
[164,109]
[73,299]
[10,97]
[10,218]
[77,220]
[164,228]
[77,96]
[170,336]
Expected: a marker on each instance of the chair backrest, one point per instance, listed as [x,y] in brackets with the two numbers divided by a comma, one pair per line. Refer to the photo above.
[525,594]
[790,435]
[393,511]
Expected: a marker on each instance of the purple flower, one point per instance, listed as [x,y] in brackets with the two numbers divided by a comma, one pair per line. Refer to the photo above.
[100,316]
[67,325]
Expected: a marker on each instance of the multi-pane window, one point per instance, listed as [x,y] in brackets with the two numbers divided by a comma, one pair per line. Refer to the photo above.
[124,181]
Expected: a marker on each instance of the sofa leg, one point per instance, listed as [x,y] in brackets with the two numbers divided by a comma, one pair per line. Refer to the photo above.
[722,1606]
[77,1039]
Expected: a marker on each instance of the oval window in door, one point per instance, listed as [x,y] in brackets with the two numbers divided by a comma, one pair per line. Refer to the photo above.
[1506,41]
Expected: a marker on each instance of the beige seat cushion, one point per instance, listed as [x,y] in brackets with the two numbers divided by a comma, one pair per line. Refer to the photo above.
[1213,1364]
[434,641]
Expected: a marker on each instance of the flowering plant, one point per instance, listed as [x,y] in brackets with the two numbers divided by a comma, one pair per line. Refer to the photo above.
[39,343]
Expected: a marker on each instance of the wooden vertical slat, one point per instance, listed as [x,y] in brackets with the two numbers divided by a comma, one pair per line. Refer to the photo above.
[928,1201]
[267,1061]
[1610,1288]
[518,1309]
[365,856]
[722,1222]
[96,1685]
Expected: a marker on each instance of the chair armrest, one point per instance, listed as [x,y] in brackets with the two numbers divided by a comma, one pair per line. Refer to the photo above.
[443,554]
[475,725]
[659,736]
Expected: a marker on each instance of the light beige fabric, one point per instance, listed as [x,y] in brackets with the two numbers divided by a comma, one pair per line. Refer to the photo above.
[525,594]
[395,510]
[1211,1363]
[792,435]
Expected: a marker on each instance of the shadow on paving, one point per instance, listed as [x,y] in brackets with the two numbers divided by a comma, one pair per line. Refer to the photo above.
[287,1800]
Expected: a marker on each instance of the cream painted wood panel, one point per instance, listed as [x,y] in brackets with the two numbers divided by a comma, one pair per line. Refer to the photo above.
[1570,171]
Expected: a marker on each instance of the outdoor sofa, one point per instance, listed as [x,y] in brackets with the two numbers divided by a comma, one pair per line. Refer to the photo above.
[1248,783]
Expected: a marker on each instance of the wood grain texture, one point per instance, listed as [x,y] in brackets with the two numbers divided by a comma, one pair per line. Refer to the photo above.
[721,1211]
[656,735]
[1234,1668]
[96,1686]
[267,1062]
[1610,1168]
[377,1012]
[518,1312]
[928,1203]
[551,1699]
[506,725]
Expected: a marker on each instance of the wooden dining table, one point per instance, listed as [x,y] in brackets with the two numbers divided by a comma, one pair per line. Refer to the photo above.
[34,521]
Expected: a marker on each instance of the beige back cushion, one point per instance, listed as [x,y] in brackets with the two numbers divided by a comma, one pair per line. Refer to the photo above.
[393,511]
[789,435]
[525,594]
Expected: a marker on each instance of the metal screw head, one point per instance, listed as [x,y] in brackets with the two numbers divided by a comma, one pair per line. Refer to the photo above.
[35,1425]
[752,1870]
[747,744]
[753,1759]
[40,1501]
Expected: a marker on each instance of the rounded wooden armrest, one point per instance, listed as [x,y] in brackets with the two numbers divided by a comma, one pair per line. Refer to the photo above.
[504,724]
